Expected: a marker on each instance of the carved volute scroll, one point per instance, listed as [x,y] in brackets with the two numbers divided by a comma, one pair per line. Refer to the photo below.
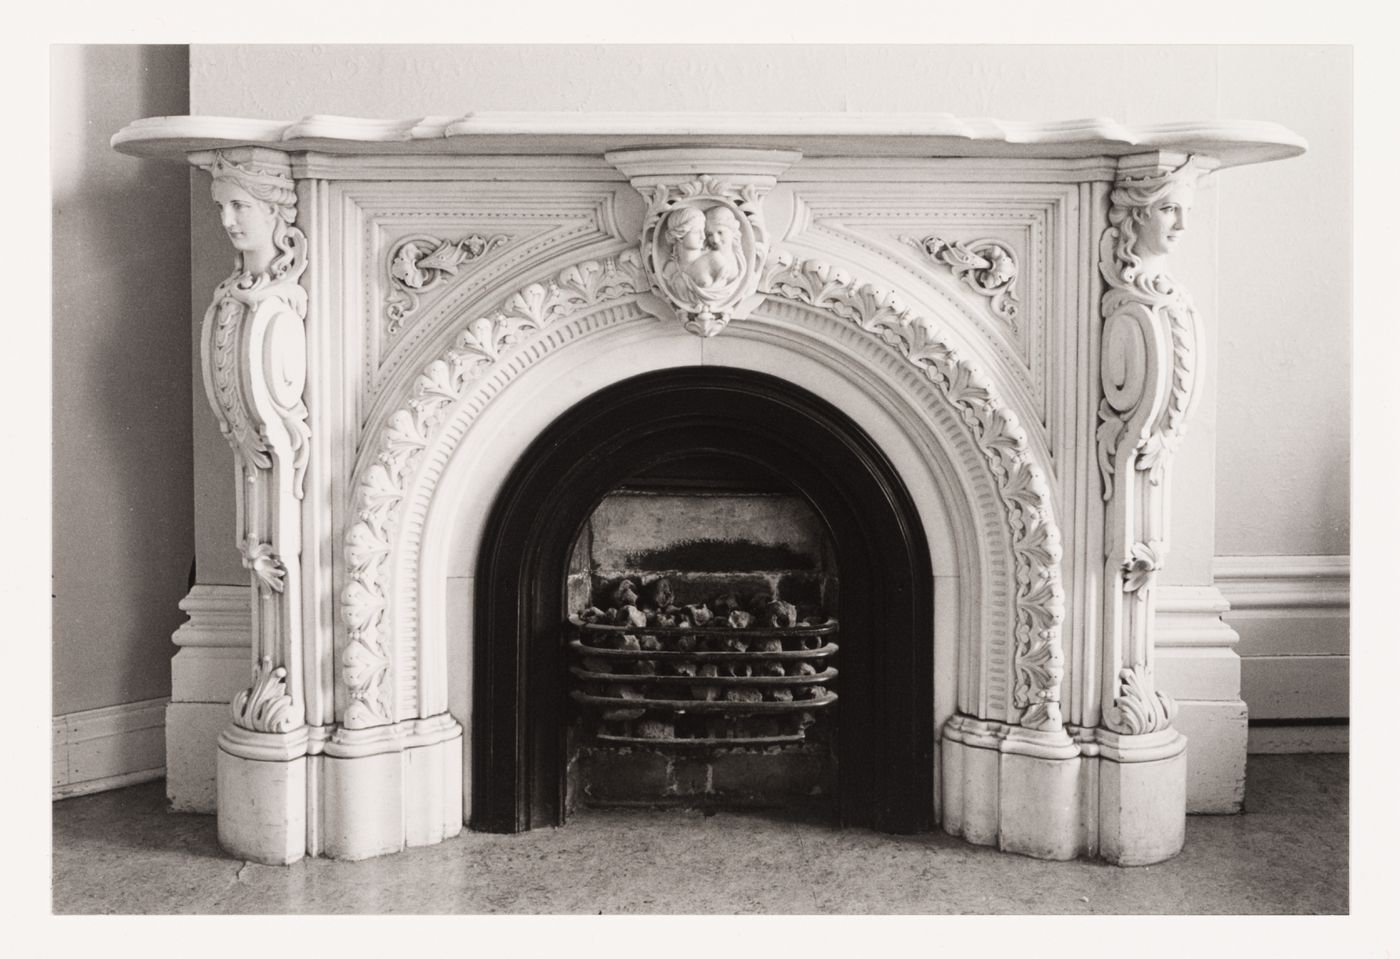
[1150,365]
[704,243]
[253,352]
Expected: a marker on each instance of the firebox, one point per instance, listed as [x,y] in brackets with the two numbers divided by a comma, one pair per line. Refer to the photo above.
[704,593]
[680,559]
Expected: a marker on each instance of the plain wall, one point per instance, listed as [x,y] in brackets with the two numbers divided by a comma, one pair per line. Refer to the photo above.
[1268,261]
[123,537]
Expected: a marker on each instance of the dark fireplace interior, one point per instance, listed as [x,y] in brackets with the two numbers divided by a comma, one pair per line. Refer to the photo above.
[703,524]
[705,596]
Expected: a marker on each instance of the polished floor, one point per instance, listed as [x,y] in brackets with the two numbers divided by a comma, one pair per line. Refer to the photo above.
[122,852]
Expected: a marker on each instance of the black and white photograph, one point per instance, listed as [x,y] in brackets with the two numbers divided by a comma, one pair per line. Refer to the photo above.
[673,477]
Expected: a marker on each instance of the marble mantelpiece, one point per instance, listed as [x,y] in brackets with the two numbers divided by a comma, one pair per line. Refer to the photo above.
[990,301]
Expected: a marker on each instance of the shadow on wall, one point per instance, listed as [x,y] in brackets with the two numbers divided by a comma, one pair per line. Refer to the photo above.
[122,459]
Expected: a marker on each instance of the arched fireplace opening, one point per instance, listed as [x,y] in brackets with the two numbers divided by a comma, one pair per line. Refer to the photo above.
[755,432]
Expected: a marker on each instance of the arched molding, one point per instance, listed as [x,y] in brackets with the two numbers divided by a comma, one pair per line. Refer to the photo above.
[858,331]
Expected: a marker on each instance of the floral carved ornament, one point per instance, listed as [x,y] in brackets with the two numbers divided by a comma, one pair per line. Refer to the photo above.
[385,484]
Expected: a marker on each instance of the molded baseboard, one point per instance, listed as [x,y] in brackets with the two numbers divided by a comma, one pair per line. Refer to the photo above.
[1293,615]
[107,748]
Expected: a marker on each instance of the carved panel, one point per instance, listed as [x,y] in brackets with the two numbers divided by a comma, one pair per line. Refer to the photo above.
[391,464]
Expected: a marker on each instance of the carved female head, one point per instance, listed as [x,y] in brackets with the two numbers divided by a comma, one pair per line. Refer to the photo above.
[685,230]
[256,206]
[1151,215]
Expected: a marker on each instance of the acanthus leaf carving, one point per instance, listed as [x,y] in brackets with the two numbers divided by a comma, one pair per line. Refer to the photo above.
[265,706]
[987,267]
[1039,657]
[1139,708]
[420,263]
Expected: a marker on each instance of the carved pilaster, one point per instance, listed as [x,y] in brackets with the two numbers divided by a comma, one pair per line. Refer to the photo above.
[253,352]
[1150,368]
[704,243]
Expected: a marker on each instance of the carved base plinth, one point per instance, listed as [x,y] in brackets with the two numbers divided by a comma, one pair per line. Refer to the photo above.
[346,794]
[389,788]
[261,788]
[1142,797]
[1057,796]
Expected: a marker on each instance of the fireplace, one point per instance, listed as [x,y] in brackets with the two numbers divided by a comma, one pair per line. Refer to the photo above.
[765,428]
[956,343]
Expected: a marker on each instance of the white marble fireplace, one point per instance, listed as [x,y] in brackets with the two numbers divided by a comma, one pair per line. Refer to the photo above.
[414,302]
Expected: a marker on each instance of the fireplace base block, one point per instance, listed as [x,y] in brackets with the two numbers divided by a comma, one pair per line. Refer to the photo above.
[1062,796]
[1142,797]
[354,795]
[261,784]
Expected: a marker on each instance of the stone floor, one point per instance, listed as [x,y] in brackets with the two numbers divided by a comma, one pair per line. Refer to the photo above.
[122,852]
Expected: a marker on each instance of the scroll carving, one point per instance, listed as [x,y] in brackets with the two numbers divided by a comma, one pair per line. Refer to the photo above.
[704,246]
[1149,362]
[418,264]
[987,267]
[254,361]
[1039,658]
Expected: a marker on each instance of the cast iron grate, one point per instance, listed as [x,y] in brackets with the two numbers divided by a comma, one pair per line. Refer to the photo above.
[719,684]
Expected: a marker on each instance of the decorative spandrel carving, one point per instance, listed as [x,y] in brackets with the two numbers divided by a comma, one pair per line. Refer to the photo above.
[987,267]
[367,663]
[1021,485]
[254,361]
[703,247]
[1149,363]
[418,264]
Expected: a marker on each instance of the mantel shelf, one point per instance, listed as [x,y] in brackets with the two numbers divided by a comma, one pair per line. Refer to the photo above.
[933,135]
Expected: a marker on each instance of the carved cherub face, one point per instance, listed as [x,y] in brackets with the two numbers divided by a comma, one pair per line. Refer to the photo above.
[248,221]
[1165,222]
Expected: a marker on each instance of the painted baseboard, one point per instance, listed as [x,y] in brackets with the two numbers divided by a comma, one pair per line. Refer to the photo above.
[1274,583]
[1293,615]
[108,748]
